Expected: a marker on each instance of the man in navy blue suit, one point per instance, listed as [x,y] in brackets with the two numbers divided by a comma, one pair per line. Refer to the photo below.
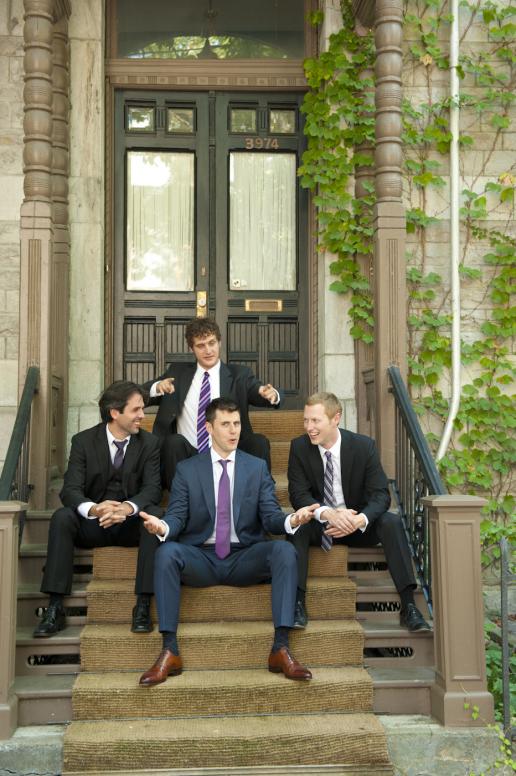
[221,505]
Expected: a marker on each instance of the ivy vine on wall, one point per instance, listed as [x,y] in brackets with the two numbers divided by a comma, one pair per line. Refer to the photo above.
[482,454]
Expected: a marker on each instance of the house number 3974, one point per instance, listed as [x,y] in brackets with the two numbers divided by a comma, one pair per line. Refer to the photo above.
[261,142]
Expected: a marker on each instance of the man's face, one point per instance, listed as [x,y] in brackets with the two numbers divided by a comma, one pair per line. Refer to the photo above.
[206,350]
[321,429]
[224,432]
[128,421]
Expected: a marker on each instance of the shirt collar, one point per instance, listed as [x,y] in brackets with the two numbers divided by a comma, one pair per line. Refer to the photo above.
[334,450]
[212,372]
[216,457]
[112,438]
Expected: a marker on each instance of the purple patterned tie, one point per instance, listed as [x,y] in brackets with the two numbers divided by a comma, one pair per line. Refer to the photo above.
[223,529]
[119,455]
[329,498]
[203,438]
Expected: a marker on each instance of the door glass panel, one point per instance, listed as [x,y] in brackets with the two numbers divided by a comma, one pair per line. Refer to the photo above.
[210,29]
[282,122]
[243,120]
[262,221]
[181,120]
[140,119]
[160,221]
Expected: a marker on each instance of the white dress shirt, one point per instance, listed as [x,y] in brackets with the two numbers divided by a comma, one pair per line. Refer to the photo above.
[338,492]
[85,507]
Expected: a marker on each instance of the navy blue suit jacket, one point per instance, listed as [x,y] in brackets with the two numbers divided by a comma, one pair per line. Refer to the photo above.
[191,508]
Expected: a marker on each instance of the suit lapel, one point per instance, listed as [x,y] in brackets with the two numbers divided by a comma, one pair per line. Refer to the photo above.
[102,453]
[206,482]
[183,382]
[239,485]
[131,456]
[226,380]
[346,464]
[316,466]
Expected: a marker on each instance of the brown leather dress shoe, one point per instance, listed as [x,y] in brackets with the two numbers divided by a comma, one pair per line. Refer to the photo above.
[283,662]
[166,665]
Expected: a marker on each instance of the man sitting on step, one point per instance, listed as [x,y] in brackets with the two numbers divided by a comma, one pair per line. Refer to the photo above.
[221,504]
[341,470]
[113,473]
[185,390]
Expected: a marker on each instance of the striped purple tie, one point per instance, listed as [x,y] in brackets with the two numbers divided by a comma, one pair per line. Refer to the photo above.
[203,438]
[329,498]
[223,529]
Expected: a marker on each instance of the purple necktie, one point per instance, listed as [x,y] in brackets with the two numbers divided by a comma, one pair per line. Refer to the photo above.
[203,438]
[329,498]
[223,529]
[119,455]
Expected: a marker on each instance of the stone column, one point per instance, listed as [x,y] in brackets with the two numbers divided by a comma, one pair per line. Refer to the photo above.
[458,611]
[9,515]
[42,220]
[389,223]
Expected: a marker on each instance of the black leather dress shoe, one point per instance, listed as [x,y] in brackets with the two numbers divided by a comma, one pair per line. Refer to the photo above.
[300,615]
[141,618]
[412,619]
[53,621]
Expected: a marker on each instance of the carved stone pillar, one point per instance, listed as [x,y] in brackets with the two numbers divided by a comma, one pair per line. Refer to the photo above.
[364,353]
[460,664]
[389,222]
[9,514]
[43,218]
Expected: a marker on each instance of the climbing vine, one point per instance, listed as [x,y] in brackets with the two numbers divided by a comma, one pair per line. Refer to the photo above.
[482,453]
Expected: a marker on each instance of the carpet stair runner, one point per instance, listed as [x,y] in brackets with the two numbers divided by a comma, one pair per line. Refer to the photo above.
[226,713]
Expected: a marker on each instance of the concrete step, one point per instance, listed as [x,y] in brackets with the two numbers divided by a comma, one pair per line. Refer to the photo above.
[32,559]
[402,689]
[225,742]
[44,700]
[217,693]
[31,602]
[35,529]
[59,654]
[113,600]
[218,645]
[389,645]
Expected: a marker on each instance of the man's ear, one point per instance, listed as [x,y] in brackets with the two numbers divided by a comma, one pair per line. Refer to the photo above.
[209,427]
[114,414]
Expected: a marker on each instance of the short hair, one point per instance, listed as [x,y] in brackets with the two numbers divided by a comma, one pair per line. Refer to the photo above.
[116,396]
[201,327]
[223,405]
[329,401]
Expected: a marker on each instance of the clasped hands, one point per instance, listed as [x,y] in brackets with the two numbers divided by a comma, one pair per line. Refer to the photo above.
[303,515]
[342,521]
[111,512]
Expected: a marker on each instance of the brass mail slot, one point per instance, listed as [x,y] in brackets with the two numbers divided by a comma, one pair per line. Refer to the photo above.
[263,305]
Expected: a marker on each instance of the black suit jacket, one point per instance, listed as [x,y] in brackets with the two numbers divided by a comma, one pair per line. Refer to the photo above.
[89,469]
[191,510]
[236,382]
[364,482]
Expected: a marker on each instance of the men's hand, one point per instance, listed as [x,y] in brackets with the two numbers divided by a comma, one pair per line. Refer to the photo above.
[268,392]
[166,385]
[104,508]
[303,515]
[152,524]
[342,522]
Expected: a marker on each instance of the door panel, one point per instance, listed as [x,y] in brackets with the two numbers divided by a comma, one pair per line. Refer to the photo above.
[208,207]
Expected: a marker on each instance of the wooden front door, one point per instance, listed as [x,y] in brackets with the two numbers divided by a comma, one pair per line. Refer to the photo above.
[210,220]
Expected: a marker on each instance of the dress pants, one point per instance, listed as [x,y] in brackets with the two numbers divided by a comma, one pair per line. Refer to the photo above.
[175,448]
[386,530]
[265,561]
[68,529]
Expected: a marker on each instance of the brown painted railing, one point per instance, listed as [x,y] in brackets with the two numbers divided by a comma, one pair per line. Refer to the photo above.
[14,480]
[416,477]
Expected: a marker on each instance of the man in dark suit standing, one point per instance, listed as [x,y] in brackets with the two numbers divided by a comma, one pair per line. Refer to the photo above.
[342,471]
[221,504]
[185,390]
[113,473]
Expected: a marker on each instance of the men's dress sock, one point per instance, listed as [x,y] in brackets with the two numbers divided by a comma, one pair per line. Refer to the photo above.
[280,638]
[143,598]
[300,595]
[406,596]
[170,641]
[55,599]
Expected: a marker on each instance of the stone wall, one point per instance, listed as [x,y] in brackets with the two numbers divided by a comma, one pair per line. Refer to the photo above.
[11,195]
[87,182]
